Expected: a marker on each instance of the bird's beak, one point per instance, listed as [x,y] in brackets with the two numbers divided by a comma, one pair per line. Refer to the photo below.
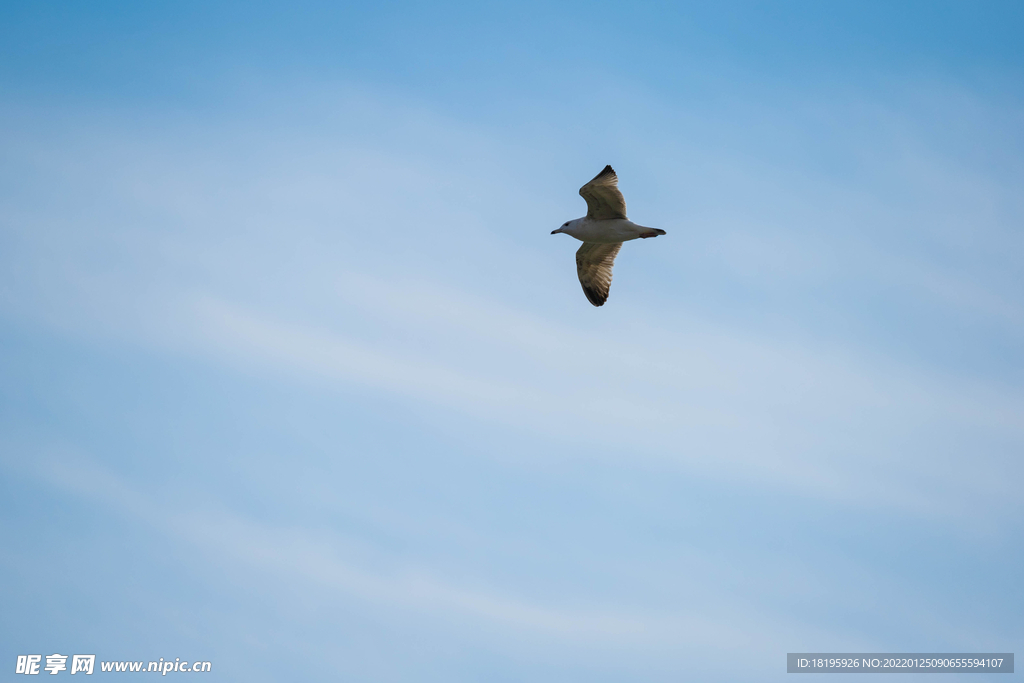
[553,232]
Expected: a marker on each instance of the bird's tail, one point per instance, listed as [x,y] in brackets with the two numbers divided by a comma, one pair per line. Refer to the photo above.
[652,232]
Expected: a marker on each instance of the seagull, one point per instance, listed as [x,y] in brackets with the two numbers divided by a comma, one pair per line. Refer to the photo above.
[602,231]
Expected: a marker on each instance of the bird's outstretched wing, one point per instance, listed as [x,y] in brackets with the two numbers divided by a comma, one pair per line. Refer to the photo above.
[604,200]
[594,262]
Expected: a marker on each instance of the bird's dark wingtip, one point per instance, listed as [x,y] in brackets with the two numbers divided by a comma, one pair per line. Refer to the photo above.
[594,296]
[607,169]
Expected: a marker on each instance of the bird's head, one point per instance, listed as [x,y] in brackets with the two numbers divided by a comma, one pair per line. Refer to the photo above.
[563,228]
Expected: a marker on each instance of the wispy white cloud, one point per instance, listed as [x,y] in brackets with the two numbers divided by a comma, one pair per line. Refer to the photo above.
[328,565]
[708,400]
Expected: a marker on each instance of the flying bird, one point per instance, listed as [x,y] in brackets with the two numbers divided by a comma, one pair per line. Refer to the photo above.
[602,231]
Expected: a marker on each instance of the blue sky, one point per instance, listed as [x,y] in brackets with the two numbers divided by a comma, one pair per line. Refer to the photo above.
[294,378]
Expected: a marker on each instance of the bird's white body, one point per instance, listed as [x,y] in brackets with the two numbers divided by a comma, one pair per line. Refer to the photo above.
[608,231]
